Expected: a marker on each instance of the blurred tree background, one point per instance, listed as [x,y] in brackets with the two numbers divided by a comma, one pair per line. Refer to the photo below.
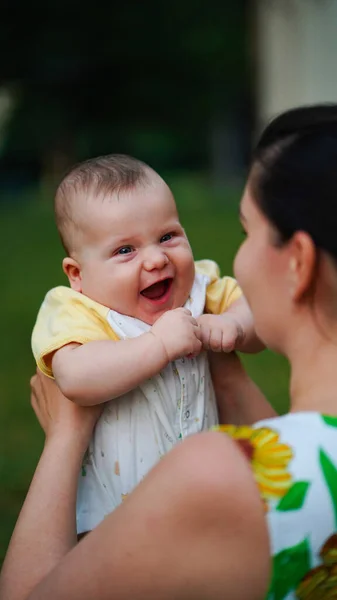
[172,83]
[156,79]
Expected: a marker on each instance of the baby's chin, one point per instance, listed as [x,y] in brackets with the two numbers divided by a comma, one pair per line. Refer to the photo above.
[151,319]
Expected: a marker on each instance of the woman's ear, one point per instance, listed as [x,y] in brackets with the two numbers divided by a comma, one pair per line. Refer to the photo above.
[72,270]
[302,264]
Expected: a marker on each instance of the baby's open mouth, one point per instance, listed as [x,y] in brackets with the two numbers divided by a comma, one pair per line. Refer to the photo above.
[156,291]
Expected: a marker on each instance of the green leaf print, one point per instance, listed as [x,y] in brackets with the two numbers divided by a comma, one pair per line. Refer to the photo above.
[289,566]
[330,476]
[294,498]
[332,421]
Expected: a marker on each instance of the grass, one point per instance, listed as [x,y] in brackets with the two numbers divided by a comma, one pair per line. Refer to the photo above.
[31,264]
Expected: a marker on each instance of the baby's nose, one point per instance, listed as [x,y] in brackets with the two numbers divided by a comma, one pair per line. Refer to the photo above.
[155,259]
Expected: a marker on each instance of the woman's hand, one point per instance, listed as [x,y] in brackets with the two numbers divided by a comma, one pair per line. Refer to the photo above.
[46,528]
[59,416]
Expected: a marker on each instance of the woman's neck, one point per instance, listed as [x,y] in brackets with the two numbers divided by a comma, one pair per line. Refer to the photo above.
[313,382]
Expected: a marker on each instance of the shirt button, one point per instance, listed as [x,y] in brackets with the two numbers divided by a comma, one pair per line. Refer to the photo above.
[187,414]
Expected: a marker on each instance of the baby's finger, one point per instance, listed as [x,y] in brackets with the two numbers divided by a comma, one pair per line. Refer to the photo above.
[197,347]
[204,336]
[228,344]
[198,333]
[215,341]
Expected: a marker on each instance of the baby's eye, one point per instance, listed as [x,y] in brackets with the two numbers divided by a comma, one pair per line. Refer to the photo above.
[124,250]
[166,237]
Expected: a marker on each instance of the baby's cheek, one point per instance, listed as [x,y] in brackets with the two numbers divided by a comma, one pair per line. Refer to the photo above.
[189,272]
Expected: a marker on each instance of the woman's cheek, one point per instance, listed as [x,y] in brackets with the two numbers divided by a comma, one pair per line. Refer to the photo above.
[239,264]
[244,270]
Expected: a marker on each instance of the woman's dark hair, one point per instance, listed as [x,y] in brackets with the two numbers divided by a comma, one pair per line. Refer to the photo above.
[294,174]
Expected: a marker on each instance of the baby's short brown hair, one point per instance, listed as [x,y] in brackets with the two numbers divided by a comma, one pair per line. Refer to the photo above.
[99,176]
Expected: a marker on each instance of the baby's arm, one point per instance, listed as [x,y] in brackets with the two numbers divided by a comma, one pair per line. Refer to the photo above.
[99,371]
[232,330]
[247,340]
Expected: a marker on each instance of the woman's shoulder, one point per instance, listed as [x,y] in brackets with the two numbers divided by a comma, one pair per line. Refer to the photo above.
[302,419]
[294,462]
[296,471]
[294,452]
[305,432]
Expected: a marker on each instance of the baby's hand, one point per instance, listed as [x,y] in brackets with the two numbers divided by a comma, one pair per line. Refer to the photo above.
[179,333]
[220,333]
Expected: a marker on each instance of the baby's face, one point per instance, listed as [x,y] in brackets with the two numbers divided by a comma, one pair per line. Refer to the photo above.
[135,256]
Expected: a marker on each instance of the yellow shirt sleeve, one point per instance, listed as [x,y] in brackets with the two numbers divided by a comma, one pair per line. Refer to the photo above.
[67,316]
[221,291]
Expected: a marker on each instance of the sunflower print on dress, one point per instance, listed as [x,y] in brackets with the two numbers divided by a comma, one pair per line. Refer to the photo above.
[320,583]
[268,456]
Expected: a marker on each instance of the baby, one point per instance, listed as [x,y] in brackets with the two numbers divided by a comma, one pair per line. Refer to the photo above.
[130,330]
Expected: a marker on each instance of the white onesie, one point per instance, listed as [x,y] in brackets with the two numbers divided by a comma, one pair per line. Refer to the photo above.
[138,428]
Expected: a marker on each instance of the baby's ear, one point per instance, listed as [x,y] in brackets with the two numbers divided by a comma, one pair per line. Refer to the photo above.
[72,270]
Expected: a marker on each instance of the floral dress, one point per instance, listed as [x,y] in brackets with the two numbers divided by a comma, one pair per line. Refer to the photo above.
[294,461]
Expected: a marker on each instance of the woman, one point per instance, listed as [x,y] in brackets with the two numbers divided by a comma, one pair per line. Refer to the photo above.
[248,510]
